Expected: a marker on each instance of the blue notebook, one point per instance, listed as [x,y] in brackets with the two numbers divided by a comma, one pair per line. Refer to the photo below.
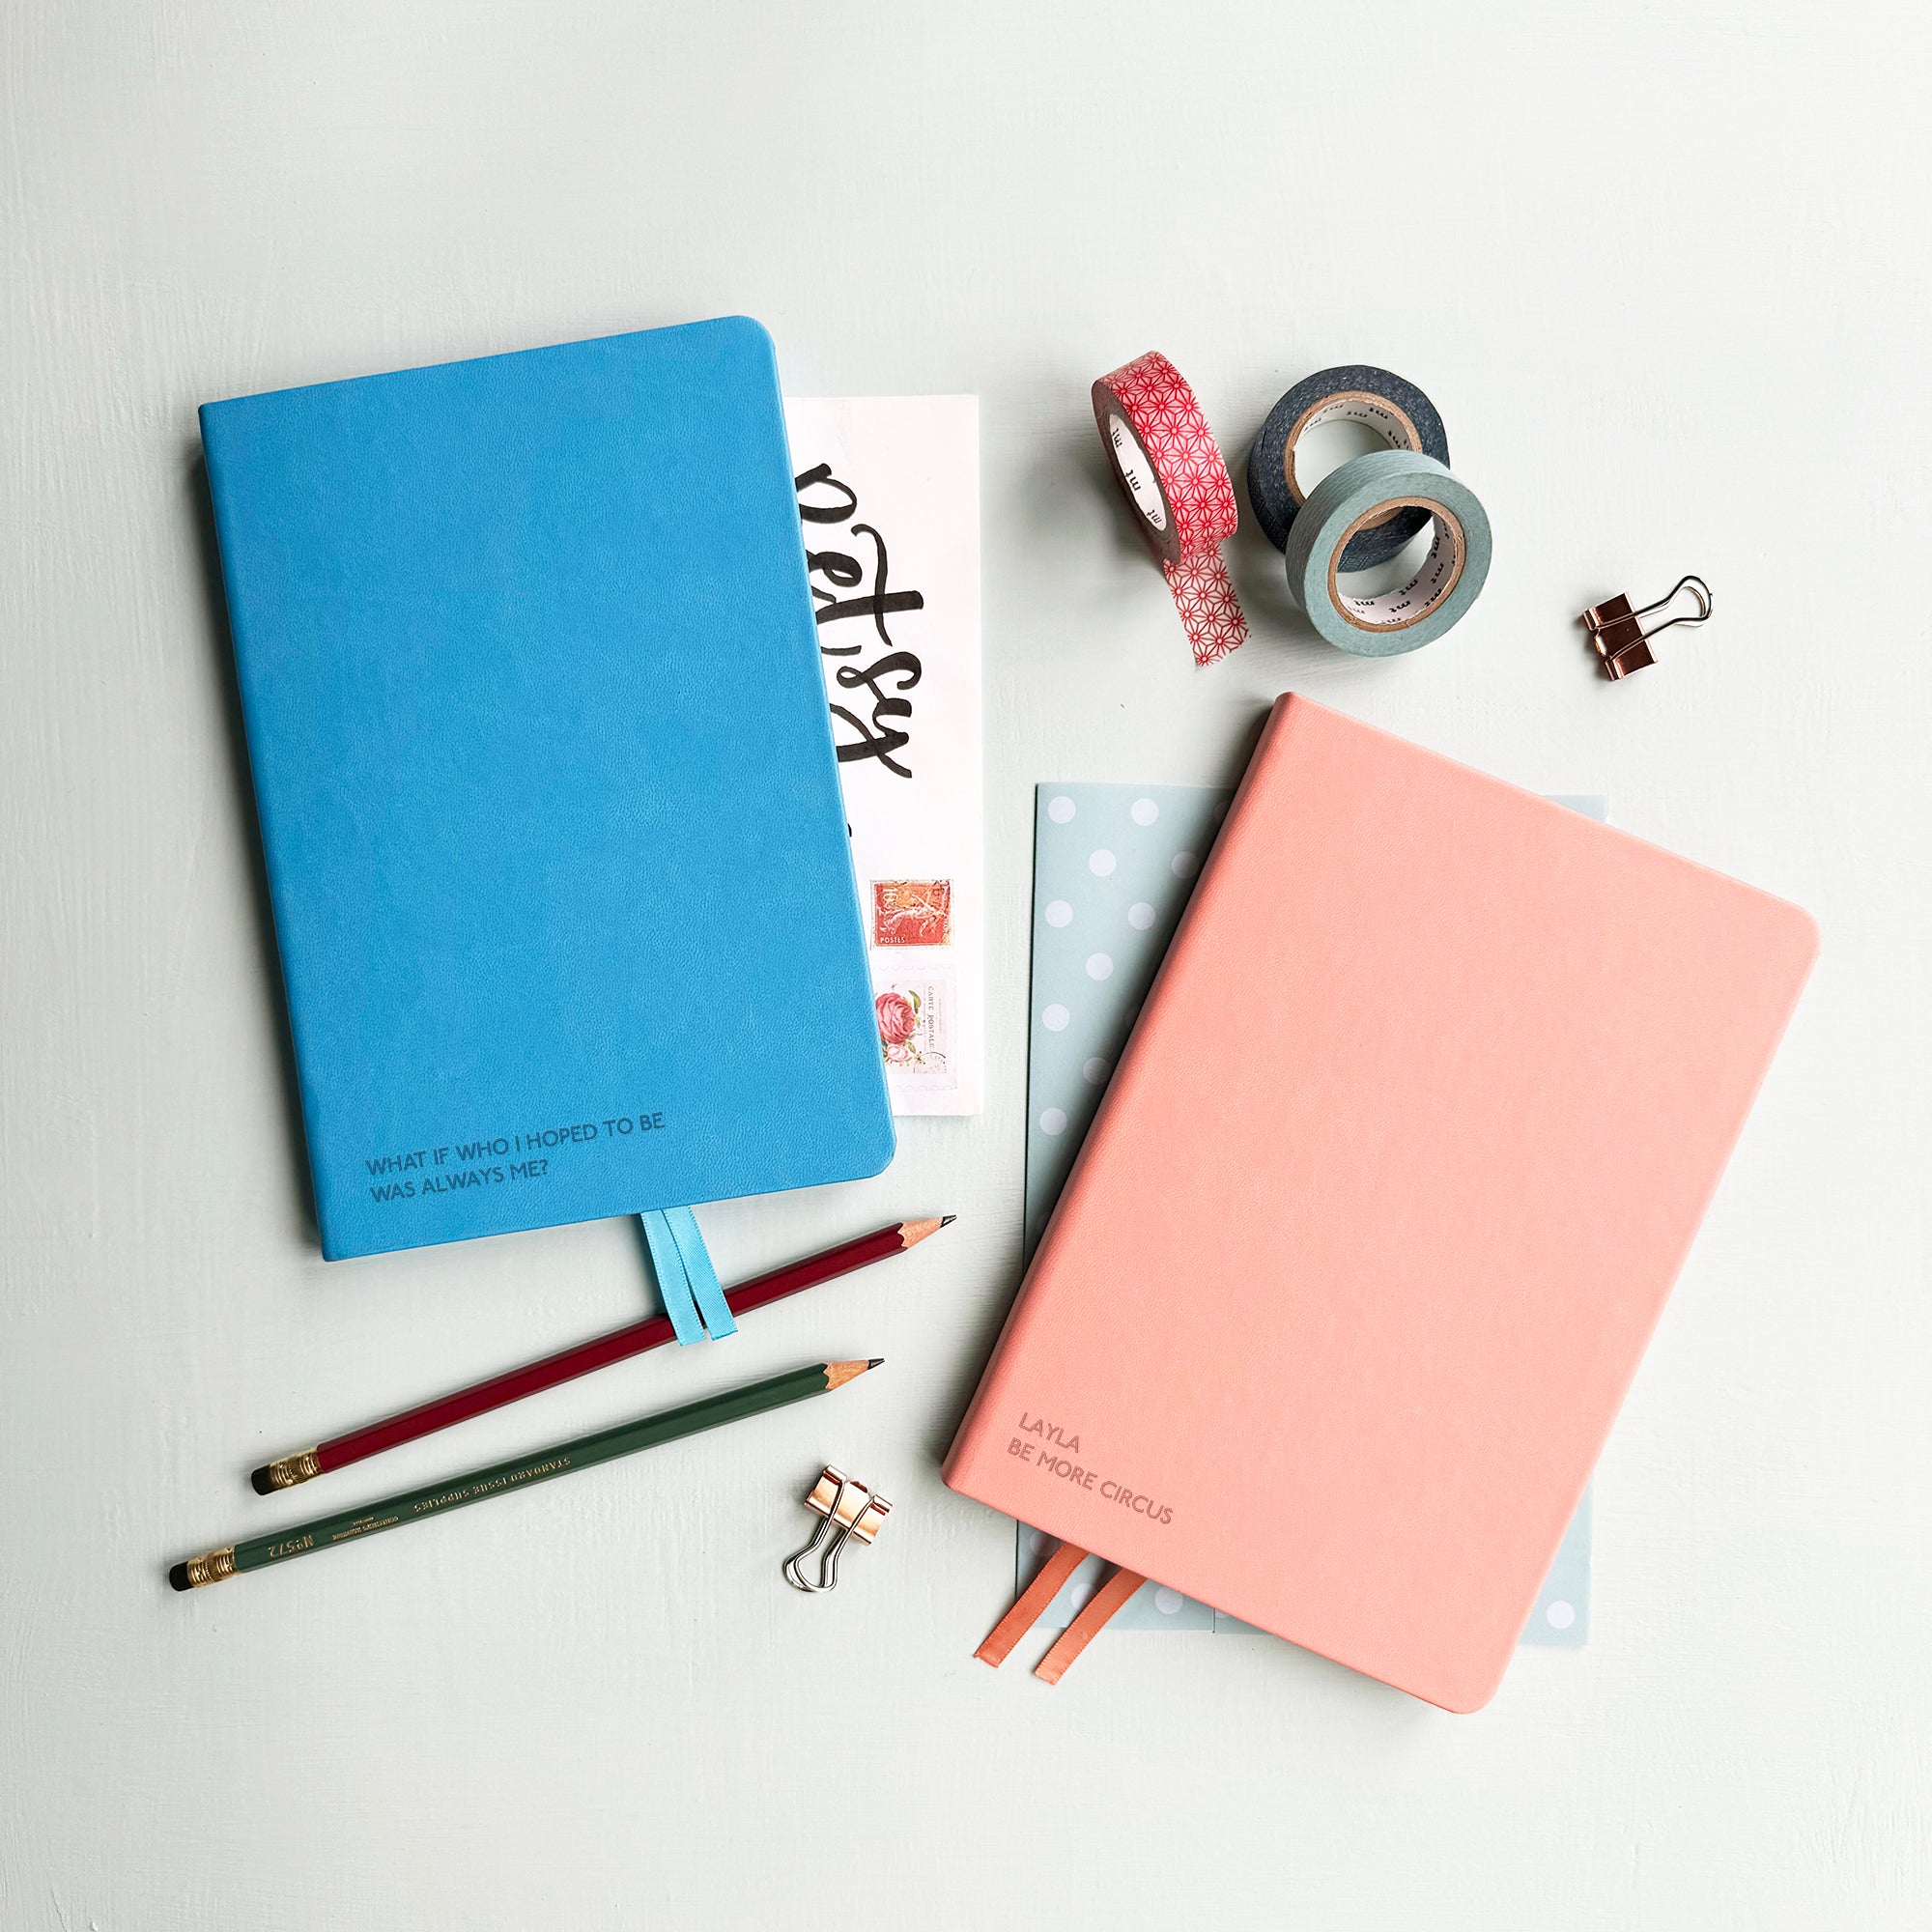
[561,884]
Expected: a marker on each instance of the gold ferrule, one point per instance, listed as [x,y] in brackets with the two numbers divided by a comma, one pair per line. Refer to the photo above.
[212,1568]
[293,1470]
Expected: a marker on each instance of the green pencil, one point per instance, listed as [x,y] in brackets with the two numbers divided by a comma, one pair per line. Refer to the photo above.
[628,1438]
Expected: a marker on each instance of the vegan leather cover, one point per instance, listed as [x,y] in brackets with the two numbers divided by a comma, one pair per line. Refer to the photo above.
[552,826]
[1382,1203]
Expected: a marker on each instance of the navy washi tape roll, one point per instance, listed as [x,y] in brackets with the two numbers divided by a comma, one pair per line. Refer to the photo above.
[1392,409]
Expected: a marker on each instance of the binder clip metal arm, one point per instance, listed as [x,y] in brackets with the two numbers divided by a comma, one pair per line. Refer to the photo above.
[1617,634]
[848,1510]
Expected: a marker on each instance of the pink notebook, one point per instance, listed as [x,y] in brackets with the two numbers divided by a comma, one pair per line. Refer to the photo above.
[1383,1204]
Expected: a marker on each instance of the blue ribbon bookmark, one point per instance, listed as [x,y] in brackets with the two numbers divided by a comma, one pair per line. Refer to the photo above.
[687,1281]
[673,1289]
[698,1271]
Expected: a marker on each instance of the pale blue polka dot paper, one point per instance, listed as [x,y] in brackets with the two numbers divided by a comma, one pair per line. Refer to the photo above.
[1112,868]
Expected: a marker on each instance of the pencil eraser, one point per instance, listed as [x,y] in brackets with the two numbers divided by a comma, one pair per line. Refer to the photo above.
[263,1483]
[178,1576]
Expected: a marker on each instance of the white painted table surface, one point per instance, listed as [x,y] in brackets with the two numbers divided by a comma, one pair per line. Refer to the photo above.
[1664,275]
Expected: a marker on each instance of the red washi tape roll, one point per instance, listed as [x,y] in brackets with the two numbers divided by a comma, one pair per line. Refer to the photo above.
[1171,470]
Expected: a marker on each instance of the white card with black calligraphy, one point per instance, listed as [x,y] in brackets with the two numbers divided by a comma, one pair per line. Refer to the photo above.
[889,489]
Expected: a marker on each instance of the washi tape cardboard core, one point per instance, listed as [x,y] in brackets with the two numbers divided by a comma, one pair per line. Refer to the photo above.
[1434,579]
[1135,469]
[1394,427]
[1368,493]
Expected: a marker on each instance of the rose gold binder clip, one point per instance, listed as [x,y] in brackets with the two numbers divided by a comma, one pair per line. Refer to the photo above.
[1617,634]
[848,1510]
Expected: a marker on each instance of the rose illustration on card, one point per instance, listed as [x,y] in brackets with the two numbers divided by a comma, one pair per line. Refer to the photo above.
[898,1021]
[915,1016]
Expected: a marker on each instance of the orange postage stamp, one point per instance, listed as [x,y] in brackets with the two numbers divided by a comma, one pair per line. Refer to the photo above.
[912,912]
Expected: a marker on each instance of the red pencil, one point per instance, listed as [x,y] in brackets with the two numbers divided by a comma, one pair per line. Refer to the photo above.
[514,1383]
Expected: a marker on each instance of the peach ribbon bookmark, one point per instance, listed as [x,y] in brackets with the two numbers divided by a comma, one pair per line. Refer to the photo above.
[1031,1606]
[1088,1625]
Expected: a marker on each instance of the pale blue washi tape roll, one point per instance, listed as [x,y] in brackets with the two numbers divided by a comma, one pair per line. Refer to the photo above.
[1360,494]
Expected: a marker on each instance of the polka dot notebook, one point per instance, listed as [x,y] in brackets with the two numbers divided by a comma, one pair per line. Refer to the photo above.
[1113,867]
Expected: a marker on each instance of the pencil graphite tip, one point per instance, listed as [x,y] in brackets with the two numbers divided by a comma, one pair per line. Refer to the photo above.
[947,1220]
[839,1374]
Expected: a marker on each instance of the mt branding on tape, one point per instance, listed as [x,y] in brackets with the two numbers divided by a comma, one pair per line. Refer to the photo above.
[1175,479]
[1360,495]
[1375,400]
